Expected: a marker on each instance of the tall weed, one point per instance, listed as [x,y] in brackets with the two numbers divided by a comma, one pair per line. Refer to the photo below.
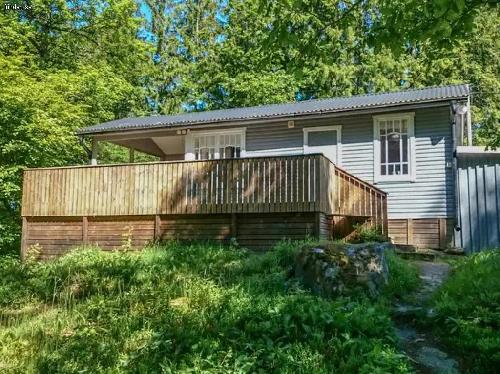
[183,308]
[468,310]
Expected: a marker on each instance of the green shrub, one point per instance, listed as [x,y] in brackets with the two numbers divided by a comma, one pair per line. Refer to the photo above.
[468,310]
[367,234]
[184,308]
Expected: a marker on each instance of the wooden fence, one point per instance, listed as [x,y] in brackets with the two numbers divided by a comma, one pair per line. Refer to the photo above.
[256,200]
[309,183]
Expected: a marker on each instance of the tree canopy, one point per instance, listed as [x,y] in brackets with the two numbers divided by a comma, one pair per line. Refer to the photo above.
[69,64]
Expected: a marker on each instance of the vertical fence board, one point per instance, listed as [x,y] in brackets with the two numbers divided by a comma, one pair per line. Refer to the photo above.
[478,202]
[308,183]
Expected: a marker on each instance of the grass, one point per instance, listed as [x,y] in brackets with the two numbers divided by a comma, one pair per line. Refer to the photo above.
[403,277]
[185,308]
[468,311]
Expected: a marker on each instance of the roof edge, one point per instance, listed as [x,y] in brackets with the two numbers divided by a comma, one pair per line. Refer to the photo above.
[89,131]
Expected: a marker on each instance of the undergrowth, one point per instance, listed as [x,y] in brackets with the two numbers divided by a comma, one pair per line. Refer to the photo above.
[367,234]
[468,311]
[184,308]
[403,277]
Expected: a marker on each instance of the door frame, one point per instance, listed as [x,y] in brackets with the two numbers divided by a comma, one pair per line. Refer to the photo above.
[338,128]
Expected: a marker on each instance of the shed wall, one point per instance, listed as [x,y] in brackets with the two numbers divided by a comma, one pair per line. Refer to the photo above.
[479,202]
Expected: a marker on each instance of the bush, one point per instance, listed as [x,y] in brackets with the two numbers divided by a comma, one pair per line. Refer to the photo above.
[367,234]
[183,308]
[468,310]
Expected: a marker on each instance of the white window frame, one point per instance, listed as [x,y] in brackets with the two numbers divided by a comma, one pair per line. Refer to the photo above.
[411,176]
[337,128]
[189,144]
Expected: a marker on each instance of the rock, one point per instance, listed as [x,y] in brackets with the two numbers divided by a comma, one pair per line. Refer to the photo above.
[332,269]
[403,310]
[454,251]
[436,360]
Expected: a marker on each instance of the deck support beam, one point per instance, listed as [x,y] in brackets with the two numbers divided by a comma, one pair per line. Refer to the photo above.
[157,232]
[24,236]
[409,231]
[442,233]
[85,230]
[234,226]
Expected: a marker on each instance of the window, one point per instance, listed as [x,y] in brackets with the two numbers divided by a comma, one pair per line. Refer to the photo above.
[204,147]
[324,139]
[394,147]
[320,138]
[215,144]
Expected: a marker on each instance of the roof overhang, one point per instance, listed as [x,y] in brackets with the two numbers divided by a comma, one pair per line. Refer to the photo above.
[278,112]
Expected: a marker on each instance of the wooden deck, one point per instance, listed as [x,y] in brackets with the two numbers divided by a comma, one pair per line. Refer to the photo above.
[164,200]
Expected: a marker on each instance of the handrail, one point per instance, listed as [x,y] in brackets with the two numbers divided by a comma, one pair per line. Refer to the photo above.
[166,162]
[292,183]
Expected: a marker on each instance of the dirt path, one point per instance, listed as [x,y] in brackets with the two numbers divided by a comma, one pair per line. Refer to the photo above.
[421,346]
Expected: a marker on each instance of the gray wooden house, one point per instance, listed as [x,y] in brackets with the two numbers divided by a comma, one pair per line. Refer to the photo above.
[262,173]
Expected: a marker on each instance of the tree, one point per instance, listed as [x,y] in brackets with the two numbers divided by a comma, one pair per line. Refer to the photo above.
[61,70]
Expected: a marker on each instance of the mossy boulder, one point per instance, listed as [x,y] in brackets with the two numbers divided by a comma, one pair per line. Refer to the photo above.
[334,269]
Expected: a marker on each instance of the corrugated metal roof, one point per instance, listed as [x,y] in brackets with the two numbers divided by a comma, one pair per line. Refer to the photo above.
[339,104]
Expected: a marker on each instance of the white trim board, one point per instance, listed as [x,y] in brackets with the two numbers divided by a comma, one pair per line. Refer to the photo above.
[276,152]
[411,177]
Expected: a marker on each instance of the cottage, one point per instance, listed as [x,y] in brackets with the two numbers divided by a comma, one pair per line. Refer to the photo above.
[262,173]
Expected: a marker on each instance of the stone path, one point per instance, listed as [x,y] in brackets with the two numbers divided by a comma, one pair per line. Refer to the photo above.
[422,347]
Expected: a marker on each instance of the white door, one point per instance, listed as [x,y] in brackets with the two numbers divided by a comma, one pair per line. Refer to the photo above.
[325,140]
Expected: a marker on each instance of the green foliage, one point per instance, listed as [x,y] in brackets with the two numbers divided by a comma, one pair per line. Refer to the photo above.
[367,234]
[63,69]
[468,310]
[403,277]
[183,308]
[442,21]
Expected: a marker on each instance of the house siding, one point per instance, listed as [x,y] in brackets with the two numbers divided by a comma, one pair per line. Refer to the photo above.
[431,195]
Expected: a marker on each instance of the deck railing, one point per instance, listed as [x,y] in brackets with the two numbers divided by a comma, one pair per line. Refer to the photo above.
[305,183]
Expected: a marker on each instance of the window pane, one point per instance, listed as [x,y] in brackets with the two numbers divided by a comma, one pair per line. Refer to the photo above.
[404,125]
[382,128]
[393,148]
[203,154]
[405,148]
[397,169]
[319,138]
[405,169]
[383,170]
[397,126]
[383,146]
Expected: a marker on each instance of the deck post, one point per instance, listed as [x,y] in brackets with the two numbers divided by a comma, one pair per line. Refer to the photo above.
[385,220]
[95,152]
[409,231]
[442,233]
[157,233]
[234,226]
[85,225]
[317,225]
[24,238]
